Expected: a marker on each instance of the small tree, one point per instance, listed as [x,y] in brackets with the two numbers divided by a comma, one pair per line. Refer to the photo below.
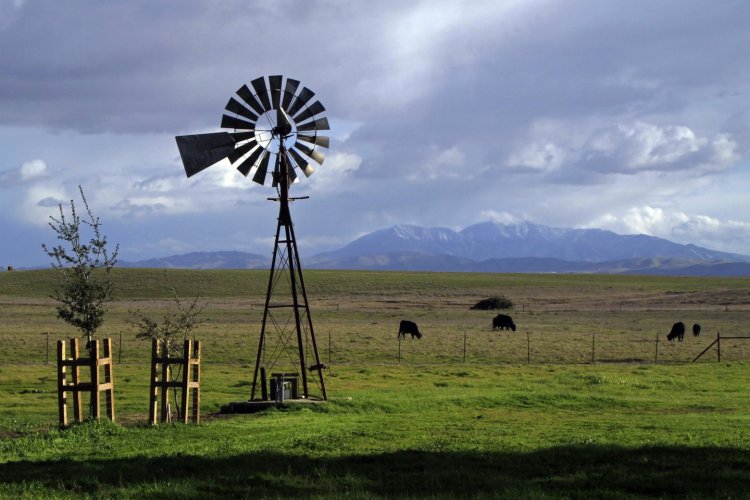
[84,269]
[174,326]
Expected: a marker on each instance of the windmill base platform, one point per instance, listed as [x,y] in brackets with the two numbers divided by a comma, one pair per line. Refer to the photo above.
[260,405]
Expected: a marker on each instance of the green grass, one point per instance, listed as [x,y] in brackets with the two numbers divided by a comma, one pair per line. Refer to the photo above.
[429,426]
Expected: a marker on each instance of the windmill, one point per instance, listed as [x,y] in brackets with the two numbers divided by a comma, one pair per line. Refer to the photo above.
[274,121]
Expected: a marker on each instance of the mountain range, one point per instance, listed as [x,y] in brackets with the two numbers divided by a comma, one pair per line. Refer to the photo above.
[494,247]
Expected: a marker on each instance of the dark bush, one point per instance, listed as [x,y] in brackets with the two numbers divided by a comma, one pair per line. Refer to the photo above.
[493,303]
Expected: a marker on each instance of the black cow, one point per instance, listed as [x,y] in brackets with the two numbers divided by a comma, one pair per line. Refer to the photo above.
[678,332]
[408,327]
[503,322]
[696,329]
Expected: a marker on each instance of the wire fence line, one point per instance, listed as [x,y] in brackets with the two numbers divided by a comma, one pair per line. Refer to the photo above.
[353,348]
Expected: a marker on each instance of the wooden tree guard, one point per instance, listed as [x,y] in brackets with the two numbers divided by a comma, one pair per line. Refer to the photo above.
[71,366]
[190,380]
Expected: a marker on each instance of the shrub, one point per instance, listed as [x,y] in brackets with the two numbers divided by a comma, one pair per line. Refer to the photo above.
[494,303]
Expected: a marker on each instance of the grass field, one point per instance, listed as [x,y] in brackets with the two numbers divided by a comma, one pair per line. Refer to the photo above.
[526,414]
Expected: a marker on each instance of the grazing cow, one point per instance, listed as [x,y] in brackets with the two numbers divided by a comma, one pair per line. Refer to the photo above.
[408,327]
[696,329]
[503,322]
[678,332]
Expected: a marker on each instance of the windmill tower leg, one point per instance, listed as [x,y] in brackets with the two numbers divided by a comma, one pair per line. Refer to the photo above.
[275,346]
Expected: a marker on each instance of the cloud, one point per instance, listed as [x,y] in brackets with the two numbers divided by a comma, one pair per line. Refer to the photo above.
[639,146]
[541,156]
[679,226]
[336,173]
[32,169]
[42,201]
[442,164]
[28,171]
[625,148]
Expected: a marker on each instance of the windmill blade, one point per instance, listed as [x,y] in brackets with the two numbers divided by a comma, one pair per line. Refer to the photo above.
[318,140]
[203,150]
[260,174]
[301,100]
[303,164]
[247,96]
[242,136]
[235,107]
[319,124]
[235,123]
[259,84]
[309,112]
[315,155]
[283,122]
[249,162]
[275,82]
[241,151]
[291,172]
[289,89]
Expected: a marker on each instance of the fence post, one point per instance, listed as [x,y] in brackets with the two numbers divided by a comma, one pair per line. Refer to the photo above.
[656,349]
[593,348]
[464,346]
[528,348]
[399,348]
[718,347]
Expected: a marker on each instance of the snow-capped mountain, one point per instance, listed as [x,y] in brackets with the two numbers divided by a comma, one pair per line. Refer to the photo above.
[490,240]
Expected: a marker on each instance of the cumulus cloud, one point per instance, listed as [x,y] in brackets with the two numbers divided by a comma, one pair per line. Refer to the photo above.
[639,146]
[541,156]
[625,148]
[27,172]
[679,226]
[32,169]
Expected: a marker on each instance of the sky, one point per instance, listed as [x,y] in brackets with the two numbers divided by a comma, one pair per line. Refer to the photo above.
[629,116]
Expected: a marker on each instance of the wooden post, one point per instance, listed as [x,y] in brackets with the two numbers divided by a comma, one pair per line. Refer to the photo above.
[528,348]
[94,350]
[165,375]
[718,347]
[154,391]
[593,348]
[75,372]
[191,375]
[62,382]
[464,346]
[399,348]
[109,382]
